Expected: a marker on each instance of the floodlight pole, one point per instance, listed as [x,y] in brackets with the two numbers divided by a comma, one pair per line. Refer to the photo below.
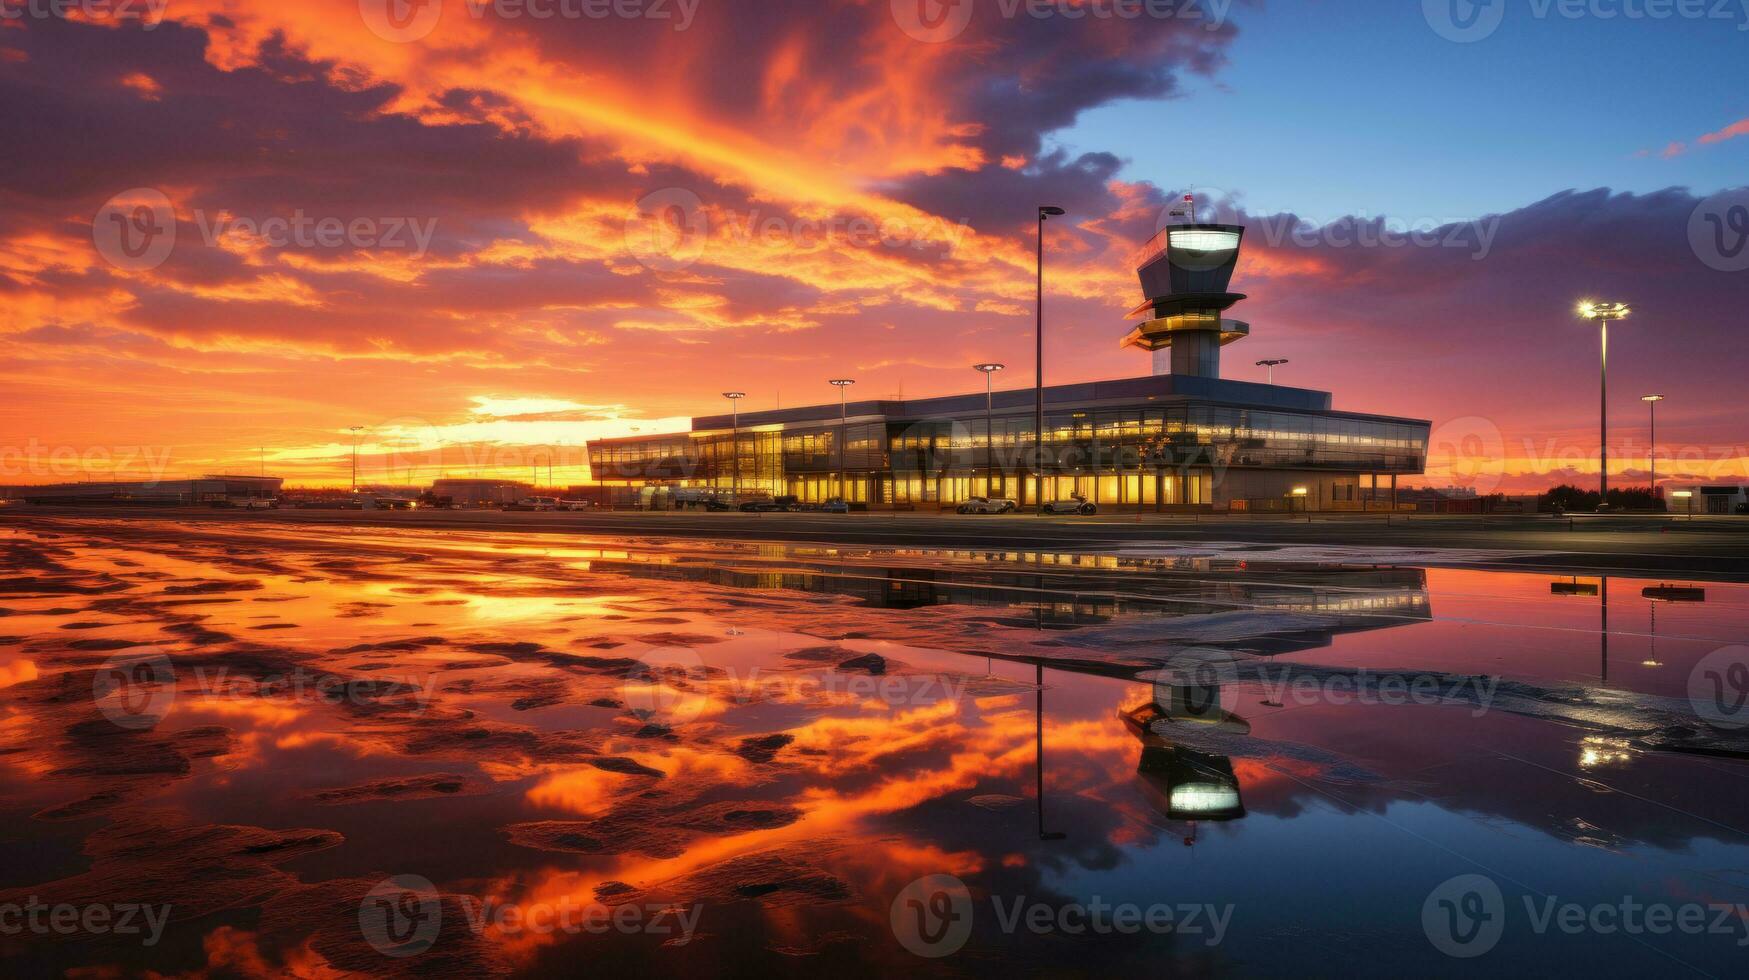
[1652,403]
[989,373]
[1038,435]
[734,398]
[355,430]
[843,386]
[1603,313]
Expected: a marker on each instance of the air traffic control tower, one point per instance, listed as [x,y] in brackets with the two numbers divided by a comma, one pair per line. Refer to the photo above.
[1185,271]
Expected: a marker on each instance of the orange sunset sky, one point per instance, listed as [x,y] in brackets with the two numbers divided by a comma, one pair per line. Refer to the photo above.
[859,203]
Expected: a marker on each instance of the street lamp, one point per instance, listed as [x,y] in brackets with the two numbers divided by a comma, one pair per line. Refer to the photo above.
[843,386]
[1271,365]
[734,398]
[1603,313]
[1652,402]
[355,430]
[989,372]
[1038,436]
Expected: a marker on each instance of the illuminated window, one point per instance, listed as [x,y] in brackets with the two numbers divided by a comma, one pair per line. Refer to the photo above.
[1204,239]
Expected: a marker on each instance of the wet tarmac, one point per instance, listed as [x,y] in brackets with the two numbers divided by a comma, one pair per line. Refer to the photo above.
[250,749]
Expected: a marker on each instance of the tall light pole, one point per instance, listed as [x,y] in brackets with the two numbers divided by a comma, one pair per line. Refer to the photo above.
[734,398]
[989,372]
[1652,403]
[1271,365]
[1038,435]
[1604,313]
[843,386]
[355,431]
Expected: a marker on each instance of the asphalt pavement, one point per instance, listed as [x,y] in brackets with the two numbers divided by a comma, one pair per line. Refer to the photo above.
[1647,546]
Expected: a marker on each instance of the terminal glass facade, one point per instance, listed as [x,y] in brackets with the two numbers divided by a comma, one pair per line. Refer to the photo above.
[1160,456]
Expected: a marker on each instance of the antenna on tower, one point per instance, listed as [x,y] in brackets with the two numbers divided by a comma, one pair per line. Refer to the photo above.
[1183,209]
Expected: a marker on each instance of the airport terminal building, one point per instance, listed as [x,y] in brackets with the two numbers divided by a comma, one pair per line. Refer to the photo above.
[1183,439]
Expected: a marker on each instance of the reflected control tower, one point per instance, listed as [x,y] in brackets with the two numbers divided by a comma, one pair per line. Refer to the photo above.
[1185,271]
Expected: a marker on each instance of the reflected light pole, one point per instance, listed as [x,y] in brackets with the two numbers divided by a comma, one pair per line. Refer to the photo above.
[734,398]
[1604,313]
[1039,755]
[989,372]
[1038,436]
[843,386]
[1652,402]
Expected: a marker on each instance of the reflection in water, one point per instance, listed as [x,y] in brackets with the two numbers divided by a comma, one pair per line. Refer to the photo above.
[786,737]
[1067,590]
[1185,784]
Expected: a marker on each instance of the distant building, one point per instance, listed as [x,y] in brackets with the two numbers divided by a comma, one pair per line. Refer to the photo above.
[481,493]
[1707,498]
[1464,500]
[160,493]
[1183,439]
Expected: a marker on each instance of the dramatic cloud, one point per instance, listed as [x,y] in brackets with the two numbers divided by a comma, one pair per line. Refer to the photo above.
[618,217]
[1731,132]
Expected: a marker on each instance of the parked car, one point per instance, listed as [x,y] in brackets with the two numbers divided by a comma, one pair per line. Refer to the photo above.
[987,505]
[1074,505]
[575,504]
[714,504]
[758,507]
[790,504]
[534,504]
[261,503]
[835,506]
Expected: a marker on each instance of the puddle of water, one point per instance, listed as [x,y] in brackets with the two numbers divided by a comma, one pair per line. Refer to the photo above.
[753,754]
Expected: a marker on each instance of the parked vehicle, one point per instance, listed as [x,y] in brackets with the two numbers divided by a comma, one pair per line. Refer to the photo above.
[835,506]
[790,504]
[987,505]
[758,507]
[534,504]
[575,505]
[261,503]
[1074,505]
[713,504]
